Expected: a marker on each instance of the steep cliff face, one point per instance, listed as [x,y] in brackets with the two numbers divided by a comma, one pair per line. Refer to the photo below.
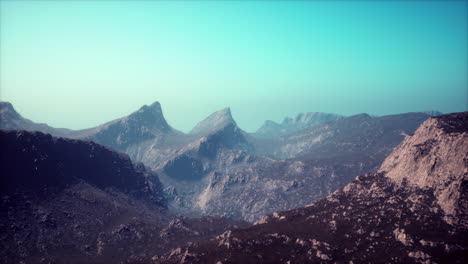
[435,158]
[409,212]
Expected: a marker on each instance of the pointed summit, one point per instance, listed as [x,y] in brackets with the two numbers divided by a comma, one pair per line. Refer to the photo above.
[154,107]
[150,117]
[146,123]
[7,111]
[214,122]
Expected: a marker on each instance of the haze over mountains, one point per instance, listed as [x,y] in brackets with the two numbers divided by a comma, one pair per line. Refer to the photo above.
[75,201]
[214,169]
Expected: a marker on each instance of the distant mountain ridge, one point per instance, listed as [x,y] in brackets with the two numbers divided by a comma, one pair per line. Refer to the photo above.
[291,125]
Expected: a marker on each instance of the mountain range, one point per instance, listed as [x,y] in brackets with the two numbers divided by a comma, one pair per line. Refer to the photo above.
[71,200]
[220,170]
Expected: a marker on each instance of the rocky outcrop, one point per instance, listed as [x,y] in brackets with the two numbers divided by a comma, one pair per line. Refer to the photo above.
[435,158]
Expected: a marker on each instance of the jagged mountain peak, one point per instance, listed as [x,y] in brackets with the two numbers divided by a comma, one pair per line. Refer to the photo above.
[7,109]
[154,107]
[144,124]
[149,118]
[214,122]
[152,114]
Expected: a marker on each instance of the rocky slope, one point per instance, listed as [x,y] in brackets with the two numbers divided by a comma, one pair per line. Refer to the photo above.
[72,201]
[432,160]
[413,210]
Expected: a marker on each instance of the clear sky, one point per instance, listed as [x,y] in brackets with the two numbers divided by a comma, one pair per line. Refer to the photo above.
[77,64]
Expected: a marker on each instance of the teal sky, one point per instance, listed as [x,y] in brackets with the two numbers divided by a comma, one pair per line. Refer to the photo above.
[77,64]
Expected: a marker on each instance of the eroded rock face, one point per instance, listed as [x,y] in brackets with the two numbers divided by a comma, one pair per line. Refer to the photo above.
[391,216]
[435,157]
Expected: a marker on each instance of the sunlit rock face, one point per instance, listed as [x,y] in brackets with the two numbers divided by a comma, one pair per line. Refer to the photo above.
[399,214]
[435,158]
